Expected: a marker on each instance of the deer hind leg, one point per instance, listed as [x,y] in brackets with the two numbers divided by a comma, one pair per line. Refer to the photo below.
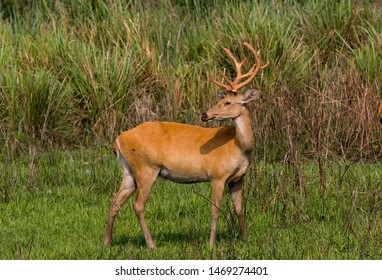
[217,196]
[119,199]
[236,190]
[145,179]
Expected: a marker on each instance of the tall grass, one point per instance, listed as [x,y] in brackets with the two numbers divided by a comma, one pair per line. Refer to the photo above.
[79,72]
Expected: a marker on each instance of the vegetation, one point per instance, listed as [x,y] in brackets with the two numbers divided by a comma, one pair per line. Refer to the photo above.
[79,72]
[59,201]
[74,74]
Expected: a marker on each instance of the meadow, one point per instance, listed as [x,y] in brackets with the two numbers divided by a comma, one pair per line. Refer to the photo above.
[74,74]
[58,206]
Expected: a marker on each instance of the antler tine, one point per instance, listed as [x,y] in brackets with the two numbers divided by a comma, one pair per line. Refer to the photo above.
[227,87]
[252,68]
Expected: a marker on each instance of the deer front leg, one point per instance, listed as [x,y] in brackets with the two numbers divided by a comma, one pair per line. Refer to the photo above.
[236,190]
[217,195]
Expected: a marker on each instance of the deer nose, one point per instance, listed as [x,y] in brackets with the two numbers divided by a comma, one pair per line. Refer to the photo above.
[204,117]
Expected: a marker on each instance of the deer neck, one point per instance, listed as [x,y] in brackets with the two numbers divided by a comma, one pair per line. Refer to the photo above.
[244,132]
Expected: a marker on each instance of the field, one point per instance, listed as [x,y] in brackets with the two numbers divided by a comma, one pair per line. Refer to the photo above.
[74,74]
[58,206]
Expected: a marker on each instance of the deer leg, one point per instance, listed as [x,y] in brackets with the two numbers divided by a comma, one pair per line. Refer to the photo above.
[145,181]
[217,195]
[118,201]
[236,190]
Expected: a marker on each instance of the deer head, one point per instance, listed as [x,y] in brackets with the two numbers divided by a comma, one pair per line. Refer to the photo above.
[232,103]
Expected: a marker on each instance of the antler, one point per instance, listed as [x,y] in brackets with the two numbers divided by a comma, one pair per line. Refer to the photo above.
[235,85]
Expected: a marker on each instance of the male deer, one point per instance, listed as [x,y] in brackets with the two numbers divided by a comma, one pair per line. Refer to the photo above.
[189,154]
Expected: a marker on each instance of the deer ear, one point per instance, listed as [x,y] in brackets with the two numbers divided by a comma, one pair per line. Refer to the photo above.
[250,95]
[221,94]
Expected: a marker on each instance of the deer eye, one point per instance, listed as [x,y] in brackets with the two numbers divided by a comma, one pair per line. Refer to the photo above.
[227,103]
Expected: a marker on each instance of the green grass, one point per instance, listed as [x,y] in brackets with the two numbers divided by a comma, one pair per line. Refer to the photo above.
[74,74]
[56,205]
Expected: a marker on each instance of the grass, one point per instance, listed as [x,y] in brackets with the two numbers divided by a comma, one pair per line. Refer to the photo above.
[57,205]
[74,74]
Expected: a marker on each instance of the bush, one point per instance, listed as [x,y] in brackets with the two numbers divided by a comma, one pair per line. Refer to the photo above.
[75,72]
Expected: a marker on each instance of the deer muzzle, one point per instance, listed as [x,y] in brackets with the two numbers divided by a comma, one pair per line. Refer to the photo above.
[206,118]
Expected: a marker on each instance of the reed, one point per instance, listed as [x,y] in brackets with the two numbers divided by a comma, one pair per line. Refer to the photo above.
[75,73]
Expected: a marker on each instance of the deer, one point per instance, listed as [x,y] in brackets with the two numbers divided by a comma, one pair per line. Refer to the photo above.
[190,154]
